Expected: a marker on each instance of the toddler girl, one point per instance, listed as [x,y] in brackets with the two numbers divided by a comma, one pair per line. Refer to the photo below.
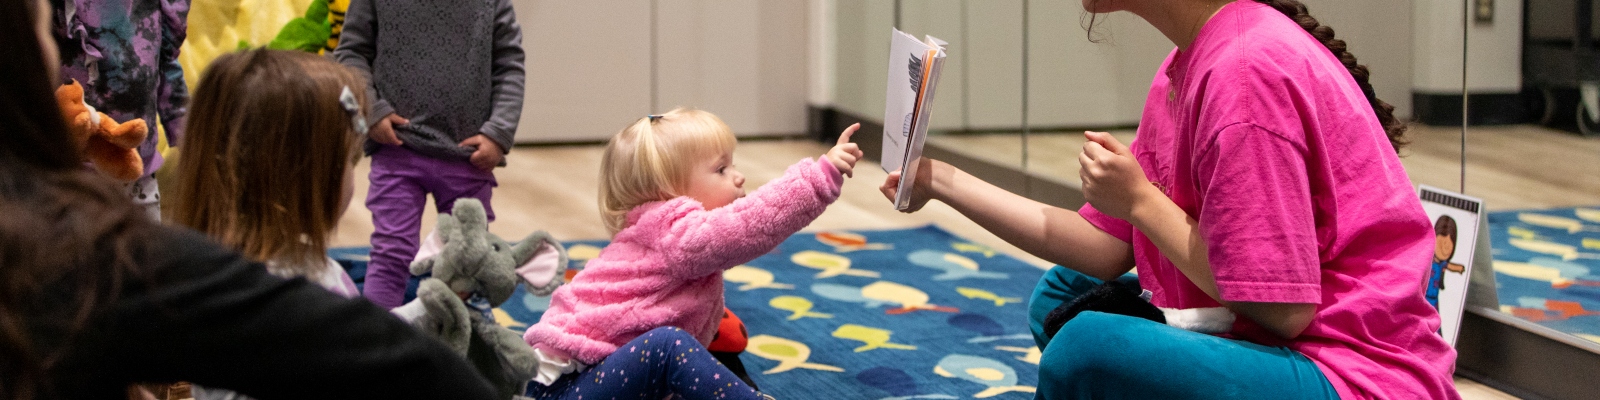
[680,216]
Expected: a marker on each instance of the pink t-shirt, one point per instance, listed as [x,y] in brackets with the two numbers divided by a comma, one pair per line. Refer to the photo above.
[1262,136]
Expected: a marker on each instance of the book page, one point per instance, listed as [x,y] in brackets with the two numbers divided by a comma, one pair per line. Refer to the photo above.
[919,129]
[906,55]
[914,68]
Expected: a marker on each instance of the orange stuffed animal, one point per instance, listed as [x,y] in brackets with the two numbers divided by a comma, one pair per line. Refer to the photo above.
[112,147]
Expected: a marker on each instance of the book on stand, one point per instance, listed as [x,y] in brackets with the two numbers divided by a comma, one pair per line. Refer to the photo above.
[1456,222]
[914,67]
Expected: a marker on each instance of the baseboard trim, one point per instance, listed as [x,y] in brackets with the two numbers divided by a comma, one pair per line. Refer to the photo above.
[1482,109]
[1525,359]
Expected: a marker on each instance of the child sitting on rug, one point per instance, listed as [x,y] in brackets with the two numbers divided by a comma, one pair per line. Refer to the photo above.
[679,217]
[276,148]
[273,146]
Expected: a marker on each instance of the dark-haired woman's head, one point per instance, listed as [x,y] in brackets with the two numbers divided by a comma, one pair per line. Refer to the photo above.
[68,233]
[28,115]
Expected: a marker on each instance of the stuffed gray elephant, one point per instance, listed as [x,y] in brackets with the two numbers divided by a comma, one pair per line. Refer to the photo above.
[474,271]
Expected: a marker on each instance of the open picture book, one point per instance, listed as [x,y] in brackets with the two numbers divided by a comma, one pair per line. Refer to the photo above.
[914,67]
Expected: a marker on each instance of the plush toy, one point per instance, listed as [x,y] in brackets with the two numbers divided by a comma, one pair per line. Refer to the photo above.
[1114,297]
[308,33]
[111,147]
[474,271]
[728,343]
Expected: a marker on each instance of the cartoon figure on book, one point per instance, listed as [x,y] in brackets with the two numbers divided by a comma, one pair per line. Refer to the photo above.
[1264,186]
[1444,249]
[680,217]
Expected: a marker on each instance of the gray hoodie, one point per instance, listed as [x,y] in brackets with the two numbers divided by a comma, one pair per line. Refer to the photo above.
[454,68]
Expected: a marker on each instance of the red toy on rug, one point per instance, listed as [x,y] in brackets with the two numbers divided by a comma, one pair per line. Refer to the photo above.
[729,342]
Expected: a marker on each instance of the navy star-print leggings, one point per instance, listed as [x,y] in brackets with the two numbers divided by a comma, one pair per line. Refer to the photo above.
[662,361]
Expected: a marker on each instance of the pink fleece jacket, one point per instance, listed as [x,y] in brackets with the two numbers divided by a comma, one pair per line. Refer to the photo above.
[665,268]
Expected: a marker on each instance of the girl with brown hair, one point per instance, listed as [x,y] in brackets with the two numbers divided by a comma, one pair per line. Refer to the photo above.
[94,296]
[1264,189]
[276,149]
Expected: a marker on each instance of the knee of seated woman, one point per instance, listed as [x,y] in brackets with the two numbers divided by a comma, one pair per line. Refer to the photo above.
[1088,349]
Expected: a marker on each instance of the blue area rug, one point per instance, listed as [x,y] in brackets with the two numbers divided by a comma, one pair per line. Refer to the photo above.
[1547,267]
[912,313]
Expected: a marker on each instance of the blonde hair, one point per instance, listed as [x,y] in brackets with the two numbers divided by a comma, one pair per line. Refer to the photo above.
[266,150]
[650,160]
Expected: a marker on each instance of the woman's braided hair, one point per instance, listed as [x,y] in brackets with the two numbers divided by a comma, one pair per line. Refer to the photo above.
[1296,11]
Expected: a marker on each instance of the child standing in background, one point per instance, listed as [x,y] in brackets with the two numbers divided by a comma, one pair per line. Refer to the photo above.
[678,209]
[274,141]
[446,81]
[125,53]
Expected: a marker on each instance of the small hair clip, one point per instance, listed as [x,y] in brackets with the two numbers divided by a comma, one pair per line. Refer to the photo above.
[653,117]
[358,121]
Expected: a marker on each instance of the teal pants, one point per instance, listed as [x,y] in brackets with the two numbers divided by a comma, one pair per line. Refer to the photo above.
[1109,356]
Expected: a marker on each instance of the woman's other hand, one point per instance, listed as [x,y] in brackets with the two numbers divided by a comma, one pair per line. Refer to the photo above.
[1112,180]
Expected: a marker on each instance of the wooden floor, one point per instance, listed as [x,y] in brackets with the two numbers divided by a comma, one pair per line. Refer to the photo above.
[553,188]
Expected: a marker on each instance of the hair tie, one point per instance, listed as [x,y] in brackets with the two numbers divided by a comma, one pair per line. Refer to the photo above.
[358,121]
[653,117]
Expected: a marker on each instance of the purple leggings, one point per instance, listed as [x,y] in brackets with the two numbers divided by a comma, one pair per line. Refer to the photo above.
[660,362]
[401,181]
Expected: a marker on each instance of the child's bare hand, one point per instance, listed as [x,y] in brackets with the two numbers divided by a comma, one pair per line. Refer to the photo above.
[844,155]
[383,132]
[486,154]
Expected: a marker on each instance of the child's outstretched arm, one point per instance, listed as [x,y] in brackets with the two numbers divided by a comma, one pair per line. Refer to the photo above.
[709,241]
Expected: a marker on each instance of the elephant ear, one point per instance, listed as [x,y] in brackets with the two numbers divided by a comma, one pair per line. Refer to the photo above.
[431,246]
[428,255]
[541,261]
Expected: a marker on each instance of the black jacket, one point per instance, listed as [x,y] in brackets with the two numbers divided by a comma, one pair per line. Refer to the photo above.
[203,314]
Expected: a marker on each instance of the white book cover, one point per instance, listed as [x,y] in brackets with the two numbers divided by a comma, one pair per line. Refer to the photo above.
[914,67]
[1455,226]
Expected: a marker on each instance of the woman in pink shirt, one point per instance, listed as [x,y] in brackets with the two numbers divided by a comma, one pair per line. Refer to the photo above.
[1264,208]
